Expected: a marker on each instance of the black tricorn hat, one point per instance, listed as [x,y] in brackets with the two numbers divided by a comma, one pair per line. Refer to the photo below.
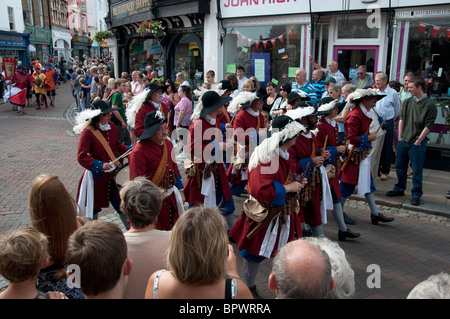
[153,120]
[295,96]
[260,94]
[155,87]
[103,105]
[226,85]
[211,101]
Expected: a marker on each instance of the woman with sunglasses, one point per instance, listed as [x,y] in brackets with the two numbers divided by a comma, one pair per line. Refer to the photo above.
[281,101]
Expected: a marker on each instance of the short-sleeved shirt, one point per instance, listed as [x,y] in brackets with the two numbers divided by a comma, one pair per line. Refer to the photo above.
[116,98]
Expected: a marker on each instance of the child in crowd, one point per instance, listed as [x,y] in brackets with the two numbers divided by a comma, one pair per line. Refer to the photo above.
[23,253]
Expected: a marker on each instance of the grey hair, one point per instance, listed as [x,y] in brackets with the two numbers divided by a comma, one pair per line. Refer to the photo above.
[383,76]
[341,270]
[141,201]
[434,287]
[304,284]
[349,88]
[180,75]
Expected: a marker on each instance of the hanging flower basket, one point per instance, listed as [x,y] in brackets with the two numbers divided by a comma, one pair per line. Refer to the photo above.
[151,26]
[102,35]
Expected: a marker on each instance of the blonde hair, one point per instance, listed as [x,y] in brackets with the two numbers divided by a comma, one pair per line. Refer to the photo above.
[111,83]
[53,212]
[249,83]
[22,254]
[198,246]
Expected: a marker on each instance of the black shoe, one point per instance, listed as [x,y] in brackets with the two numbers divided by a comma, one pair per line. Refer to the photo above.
[348,220]
[347,234]
[380,218]
[415,201]
[394,193]
[254,292]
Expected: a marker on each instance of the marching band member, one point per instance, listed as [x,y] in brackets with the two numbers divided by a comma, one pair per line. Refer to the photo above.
[316,197]
[266,224]
[207,182]
[327,138]
[152,159]
[97,150]
[248,121]
[355,170]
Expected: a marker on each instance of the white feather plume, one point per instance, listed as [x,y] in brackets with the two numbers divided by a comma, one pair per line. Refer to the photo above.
[299,112]
[135,104]
[359,94]
[197,110]
[83,119]
[265,151]
[241,98]
[216,87]
[327,107]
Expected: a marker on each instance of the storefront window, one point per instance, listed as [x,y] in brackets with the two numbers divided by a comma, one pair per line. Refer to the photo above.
[270,53]
[356,29]
[144,52]
[428,51]
[188,59]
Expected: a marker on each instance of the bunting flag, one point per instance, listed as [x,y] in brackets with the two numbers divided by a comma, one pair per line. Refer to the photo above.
[257,42]
[422,26]
[290,33]
[436,30]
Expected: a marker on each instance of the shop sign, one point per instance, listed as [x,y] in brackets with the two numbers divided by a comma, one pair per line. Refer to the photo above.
[129,8]
[12,40]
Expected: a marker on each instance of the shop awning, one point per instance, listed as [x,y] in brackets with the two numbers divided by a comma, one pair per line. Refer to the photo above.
[31,48]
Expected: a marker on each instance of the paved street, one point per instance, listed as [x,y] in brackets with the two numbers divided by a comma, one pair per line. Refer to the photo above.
[407,251]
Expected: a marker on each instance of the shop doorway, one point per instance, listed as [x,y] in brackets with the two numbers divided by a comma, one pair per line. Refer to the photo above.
[187,58]
[350,57]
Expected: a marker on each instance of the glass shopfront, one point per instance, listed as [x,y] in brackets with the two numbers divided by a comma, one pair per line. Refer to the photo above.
[188,59]
[428,51]
[270,53]
[144,52]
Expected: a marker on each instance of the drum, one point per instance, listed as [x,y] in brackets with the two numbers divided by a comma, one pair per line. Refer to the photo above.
[122,175]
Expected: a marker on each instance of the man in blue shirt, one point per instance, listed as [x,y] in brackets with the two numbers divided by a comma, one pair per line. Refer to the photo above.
[302,84]
[387,108]
[317,81]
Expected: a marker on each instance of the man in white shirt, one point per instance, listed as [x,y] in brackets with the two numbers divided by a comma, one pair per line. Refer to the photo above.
[388,109]
[241,77]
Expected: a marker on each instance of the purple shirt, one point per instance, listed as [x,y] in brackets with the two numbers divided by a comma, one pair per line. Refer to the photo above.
[184,105]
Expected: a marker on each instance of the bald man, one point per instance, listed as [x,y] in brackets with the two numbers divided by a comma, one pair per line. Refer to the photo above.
[301,271]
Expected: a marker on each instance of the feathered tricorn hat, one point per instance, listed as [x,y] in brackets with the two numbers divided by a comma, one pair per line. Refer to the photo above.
[84,118]
[283,129]
[207,103]
[326,105]
[355,98]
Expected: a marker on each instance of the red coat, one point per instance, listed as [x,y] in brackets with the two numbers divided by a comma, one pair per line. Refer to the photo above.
[144,161]
[301,153]
[244,121]
[356,124]
[327,129]
[191,190]
[148,107]
[91,155]
[263,189]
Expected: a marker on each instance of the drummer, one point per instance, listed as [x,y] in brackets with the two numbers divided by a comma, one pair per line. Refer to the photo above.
[152,158]
[98,147]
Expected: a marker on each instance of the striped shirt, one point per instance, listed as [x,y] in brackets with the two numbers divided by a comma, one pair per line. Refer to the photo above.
[320,88]
[309,89]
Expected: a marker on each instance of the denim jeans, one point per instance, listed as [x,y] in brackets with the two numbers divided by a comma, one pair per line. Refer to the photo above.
[407,152]
[387,152]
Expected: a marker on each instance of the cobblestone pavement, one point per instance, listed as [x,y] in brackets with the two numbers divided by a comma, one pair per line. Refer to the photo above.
[407,251]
